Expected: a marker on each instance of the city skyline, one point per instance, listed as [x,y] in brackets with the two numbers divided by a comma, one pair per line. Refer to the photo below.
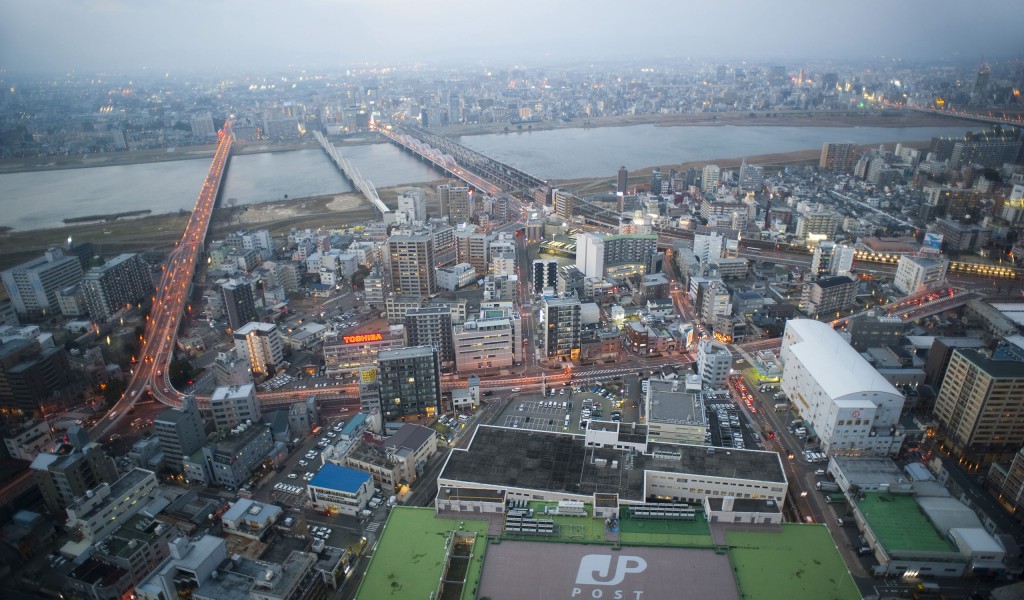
[115,35]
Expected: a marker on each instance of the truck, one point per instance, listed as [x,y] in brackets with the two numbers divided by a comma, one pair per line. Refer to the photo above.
[834,498]
[781,407]
[826,486]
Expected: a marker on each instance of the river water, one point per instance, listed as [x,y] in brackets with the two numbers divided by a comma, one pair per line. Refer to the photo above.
[42,199]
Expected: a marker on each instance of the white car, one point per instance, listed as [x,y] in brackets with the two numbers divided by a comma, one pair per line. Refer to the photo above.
[303,463]
[293,476]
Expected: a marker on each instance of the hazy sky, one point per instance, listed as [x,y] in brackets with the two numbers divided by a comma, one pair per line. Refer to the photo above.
[58,35]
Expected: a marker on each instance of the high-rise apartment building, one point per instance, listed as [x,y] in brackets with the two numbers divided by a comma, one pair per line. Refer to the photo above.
[559,329]
[979,406]
[432,326]
[621,181]
[33,286]
[545,275]
[262,343]
[711,176]
[474,249]
[412,264]
[239,303]
[119,283]
[410,382]
[837,156]
[565,204]
[612,256]
[457,203]
[830,258]
[181,432]
[826,295]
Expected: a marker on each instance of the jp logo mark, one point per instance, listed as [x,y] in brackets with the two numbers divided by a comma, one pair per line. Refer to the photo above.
[596,569]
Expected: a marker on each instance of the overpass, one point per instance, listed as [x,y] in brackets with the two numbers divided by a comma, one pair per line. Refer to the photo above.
[352,174]
[149,374]
[439,160]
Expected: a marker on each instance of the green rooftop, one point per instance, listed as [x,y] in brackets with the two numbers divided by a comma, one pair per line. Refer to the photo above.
[667,532]
[800,563]
[410,555]
[899,523]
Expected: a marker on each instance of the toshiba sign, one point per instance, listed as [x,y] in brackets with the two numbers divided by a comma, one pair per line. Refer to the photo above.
[362,338]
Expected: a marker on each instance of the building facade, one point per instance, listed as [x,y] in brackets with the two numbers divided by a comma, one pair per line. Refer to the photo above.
[410,382]
[119,283]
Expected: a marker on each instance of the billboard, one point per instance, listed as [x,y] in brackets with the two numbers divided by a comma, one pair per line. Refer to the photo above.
[933,241]
[362,338]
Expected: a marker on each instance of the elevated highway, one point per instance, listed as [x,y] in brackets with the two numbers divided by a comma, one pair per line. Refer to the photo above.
[149,375]
[352,174]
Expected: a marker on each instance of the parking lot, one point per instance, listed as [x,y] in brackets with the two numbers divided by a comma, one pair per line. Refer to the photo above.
[548,412]
[728,426]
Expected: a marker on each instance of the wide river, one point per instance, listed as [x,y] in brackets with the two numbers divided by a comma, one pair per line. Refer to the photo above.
[42,199]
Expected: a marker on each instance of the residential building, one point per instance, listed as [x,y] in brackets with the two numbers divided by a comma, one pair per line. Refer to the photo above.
[714,362]
[412,265]
[817,225]
[230,456]
[473,248]
[32,377]
[619,255]
[545,275]
[121,282]
[410,382]
[181,432]
[917,273]
[558,329]
[874,330]
[827,295]
[843,401]
[564,203]
[33,286]
[457,203]
[200,569]
[337,489]
[25,440]
[262,343]
[837,156]
[135,548]
[958,237]
[432,326]
[830,258]
[711,176]
[232,368]
[239,303]
[234,405]
[414,205]
[979,406]
[71,469]
[102,509]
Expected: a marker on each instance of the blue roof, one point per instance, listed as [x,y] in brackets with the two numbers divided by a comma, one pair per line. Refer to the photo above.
[342,479]
[351,426]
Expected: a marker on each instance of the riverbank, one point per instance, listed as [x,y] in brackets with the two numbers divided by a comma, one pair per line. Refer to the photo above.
[160,232]
[111,159]
[886,118]
[771,163]
[780,119]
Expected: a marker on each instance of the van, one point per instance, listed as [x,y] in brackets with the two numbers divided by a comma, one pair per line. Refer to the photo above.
[819,472]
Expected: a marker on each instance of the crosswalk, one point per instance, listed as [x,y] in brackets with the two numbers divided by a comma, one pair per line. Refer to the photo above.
[372,527]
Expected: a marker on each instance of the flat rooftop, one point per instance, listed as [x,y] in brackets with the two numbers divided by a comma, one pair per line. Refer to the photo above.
[800,562]
[559,462]
[409,559]
[670,403]
[899,524]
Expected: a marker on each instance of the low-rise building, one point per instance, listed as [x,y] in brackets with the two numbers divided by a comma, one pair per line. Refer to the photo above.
[675,412]
[26,440]
[338,489]
[249,518]
[103,509]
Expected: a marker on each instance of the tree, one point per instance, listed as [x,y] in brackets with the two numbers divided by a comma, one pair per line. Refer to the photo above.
[180,373]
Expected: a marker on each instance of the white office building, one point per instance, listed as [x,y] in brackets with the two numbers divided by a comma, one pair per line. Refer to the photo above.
[842,399]
[918,273]
[234,405]
[714,361]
